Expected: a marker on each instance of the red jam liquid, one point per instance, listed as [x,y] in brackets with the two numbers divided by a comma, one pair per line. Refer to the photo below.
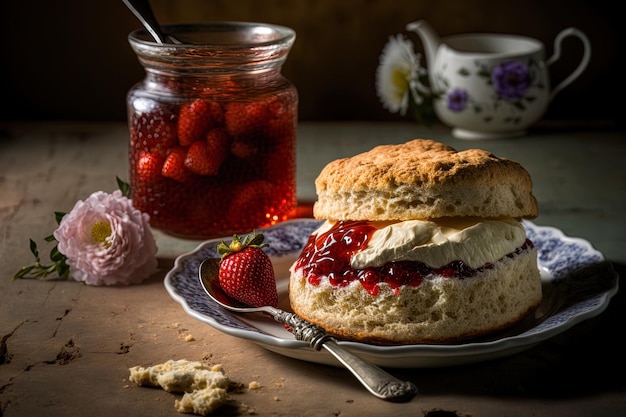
[329,255]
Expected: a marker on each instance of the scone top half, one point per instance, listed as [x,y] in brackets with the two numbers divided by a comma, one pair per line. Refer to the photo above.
[423,179]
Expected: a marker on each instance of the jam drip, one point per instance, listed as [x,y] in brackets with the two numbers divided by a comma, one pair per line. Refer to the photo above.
[329,255]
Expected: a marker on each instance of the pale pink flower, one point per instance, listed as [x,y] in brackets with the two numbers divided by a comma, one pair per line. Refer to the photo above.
[107,241]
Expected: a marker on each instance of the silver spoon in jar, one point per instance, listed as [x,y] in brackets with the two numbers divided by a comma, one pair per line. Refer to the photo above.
[142,10]
[377,381]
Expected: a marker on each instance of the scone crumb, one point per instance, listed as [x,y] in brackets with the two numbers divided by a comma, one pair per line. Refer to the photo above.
[254,385]
[189,338]
[280,383]
[201,402]
[204,386]
[246,409]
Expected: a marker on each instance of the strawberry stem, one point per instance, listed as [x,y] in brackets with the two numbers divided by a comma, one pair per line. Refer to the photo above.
[253,240]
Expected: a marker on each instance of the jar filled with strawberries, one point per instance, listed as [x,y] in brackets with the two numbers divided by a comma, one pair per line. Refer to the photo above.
[213,129]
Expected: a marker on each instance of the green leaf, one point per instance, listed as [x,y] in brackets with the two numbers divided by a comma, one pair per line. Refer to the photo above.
[222,249]
[37,270]
[257,240]
[55,255]
[59,216]
[63,270]
[123,186]
[50,269]
[33,248]
[23,271]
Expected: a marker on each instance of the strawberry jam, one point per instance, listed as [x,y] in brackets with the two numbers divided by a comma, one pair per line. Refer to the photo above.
[328,255]
[213,129]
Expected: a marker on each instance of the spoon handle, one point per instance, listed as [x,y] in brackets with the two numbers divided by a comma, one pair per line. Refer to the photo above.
[142,10]
[376,380]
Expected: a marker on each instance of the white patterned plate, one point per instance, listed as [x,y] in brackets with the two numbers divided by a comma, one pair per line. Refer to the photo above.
[577,283]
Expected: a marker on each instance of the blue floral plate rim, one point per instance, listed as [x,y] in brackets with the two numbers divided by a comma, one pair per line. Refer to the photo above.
[578,284]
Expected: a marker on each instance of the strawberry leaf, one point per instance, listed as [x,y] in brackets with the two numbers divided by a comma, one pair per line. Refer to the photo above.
[257,240]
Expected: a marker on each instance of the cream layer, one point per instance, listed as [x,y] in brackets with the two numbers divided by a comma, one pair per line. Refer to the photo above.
[474,241]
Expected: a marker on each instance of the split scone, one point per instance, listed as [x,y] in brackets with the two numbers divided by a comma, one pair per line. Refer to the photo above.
[421,244]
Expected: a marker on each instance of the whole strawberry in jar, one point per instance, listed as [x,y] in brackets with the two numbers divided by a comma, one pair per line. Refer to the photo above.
[213,129]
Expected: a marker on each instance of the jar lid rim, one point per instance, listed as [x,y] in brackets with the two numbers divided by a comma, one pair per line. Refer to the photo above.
[219,34]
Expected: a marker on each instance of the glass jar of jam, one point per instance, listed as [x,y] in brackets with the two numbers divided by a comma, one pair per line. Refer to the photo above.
[213,129]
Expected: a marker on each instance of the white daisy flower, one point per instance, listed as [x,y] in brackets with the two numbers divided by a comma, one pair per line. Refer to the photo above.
[397,74]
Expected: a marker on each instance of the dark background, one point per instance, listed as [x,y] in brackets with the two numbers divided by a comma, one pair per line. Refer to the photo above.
[70,60]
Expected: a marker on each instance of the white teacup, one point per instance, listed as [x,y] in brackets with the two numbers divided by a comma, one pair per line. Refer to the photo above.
[492,85]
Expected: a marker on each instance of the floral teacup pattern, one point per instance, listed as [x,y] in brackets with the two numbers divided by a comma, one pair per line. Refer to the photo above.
[514,87]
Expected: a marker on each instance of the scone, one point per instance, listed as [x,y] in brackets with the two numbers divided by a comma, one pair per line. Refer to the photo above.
[422,244]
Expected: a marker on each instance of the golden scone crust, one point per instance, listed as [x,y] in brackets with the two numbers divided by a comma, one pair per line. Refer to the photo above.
[423,179]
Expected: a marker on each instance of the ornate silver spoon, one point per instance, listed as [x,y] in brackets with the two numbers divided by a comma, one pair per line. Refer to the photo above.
[377,381]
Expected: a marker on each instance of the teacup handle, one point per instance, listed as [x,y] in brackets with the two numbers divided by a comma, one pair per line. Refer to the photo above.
[557,54]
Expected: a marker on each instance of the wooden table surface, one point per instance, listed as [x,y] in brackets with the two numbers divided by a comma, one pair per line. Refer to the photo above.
[66,347]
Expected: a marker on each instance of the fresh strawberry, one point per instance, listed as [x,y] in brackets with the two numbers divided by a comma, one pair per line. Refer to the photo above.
[196,118]
[246,272]
[174,165]
[245,119]
[148,168]
[154,129]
